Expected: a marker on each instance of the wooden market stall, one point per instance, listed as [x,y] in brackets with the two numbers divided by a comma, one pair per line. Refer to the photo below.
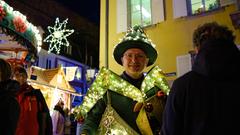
[53,84]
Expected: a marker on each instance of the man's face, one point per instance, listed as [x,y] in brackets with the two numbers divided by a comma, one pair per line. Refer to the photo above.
[20,77]
[134,61]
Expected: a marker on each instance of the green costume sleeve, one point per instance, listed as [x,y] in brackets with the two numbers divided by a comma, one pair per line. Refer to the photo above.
[155,77]
[93,118]
[153,80]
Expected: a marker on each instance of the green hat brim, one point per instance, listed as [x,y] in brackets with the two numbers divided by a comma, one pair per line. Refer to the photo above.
[147,48]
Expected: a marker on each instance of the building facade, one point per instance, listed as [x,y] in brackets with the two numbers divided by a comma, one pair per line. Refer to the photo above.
[168,23]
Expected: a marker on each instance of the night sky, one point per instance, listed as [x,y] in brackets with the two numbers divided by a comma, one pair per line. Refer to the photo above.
[89,9]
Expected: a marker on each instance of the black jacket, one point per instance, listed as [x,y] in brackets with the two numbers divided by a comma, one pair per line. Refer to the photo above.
[9,107]
[205,101]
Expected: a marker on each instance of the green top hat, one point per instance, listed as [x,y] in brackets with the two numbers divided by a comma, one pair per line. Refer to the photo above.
[135,38]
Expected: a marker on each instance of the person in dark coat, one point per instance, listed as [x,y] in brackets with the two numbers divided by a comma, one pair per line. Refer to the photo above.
[9,105]
[126,115]
[204,101]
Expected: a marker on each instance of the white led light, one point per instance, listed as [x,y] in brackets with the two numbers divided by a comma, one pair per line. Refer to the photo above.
[58,36]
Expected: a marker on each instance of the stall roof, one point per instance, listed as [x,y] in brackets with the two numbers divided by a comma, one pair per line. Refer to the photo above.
[18,36]
[54,78]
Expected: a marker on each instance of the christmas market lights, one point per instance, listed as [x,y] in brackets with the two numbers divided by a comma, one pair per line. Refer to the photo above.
[108,80]
[17,22]
[58,36]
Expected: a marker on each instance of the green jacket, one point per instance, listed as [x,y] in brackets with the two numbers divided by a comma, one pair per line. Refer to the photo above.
[122,103]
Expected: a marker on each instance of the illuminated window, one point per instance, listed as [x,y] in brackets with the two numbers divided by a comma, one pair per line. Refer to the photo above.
[182,8]
[140,12]
[200,6]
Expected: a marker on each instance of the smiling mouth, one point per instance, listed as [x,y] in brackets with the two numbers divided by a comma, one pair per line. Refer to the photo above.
[134,65]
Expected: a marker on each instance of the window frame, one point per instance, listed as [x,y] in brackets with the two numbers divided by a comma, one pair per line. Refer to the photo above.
[190,12]
[130,18]
[122,21]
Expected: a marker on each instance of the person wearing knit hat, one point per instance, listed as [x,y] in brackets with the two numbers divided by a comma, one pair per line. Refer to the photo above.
[132,114]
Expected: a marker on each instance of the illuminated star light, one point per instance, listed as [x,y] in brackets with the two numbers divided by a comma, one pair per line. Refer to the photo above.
[58,36]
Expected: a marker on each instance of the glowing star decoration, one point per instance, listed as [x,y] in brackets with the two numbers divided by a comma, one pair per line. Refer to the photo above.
[58,36]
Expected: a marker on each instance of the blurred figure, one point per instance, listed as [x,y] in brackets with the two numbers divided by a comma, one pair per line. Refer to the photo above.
[67,122]
[58,117]
[9,105]
[204,101]
[73,124]
[34,117]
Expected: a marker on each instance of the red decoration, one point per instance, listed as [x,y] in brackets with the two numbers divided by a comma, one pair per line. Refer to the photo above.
[2,13]
[160,93]
[80,120]
[19,25]
[16,62]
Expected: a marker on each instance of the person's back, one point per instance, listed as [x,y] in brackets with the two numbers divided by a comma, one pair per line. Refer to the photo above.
[9,111]
[9,106]
[204,101]
[209,106]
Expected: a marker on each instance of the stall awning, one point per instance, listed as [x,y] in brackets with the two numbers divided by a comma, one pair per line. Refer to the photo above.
[51,78]
[20,40]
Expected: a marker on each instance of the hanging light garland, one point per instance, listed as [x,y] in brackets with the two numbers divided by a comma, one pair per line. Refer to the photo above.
[15,24]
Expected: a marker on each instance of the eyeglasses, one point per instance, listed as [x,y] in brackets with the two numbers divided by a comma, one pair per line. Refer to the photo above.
[137,56]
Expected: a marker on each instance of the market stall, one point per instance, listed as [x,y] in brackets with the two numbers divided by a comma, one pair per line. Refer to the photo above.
[53,84]
[20,40]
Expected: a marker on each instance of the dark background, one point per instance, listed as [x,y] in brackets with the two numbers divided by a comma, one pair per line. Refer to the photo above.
[89,9]
[83,17]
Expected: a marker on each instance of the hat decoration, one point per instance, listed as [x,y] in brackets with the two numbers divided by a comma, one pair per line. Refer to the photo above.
[135,38]
[137,33]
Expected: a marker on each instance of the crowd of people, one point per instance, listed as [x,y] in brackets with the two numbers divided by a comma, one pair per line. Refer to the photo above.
[25,111]
[200,102]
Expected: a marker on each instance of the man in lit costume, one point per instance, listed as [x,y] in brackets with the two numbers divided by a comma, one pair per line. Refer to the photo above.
[131,103]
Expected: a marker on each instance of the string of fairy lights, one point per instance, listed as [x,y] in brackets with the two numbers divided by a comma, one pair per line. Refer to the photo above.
[16,21]
[137,34]
[108,80]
